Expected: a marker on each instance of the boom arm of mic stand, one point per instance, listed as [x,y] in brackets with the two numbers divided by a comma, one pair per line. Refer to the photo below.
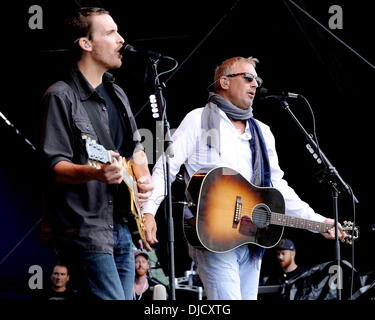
[333,173]
[328,165]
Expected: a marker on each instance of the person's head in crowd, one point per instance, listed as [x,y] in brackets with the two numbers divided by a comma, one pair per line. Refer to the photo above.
[59,278]
[142,263]
[286,253]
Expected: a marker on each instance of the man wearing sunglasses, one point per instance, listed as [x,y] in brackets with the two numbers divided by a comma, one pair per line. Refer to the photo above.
[225,133]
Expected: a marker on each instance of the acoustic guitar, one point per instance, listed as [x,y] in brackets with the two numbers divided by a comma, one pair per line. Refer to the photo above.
[229,212]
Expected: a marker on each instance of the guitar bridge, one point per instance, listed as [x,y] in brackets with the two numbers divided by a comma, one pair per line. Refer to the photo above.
[237,211]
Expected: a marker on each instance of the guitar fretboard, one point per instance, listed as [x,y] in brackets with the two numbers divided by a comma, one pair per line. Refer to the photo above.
[289,221]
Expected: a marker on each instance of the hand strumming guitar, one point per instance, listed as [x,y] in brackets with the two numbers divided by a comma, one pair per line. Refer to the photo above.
[145,188]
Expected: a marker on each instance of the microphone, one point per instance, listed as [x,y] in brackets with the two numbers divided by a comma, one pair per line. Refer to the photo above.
[265,93]
[159,292]
[130,48]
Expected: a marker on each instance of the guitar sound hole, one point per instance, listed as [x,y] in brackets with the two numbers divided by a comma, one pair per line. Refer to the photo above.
[261,215]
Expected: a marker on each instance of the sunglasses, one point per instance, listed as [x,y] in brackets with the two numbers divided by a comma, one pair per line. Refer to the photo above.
[248,76]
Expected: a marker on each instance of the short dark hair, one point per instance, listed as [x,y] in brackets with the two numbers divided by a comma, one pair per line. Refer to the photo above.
[62,265]
[78,25]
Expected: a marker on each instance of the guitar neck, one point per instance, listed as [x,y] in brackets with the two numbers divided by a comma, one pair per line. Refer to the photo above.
[294,222]
[129,181]
[128,176]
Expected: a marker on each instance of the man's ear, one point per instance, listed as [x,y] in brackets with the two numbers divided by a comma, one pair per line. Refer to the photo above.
[85,44]
[224,83]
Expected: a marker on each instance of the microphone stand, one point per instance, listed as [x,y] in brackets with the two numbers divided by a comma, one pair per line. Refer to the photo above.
[334,180]
[168,148]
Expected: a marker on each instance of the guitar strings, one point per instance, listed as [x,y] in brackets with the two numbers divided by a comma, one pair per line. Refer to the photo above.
[299,222]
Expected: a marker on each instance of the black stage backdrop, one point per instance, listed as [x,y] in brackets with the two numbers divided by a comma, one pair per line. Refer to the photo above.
[295,53]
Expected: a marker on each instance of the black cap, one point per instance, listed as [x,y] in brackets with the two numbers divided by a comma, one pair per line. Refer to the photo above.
[285,244]
[141,253]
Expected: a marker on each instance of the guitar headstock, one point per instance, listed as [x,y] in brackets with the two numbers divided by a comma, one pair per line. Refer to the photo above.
[351,232]
[96,153]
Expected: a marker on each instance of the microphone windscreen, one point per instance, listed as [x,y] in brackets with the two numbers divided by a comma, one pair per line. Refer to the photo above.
[263,91]
[159,292]
[127,47]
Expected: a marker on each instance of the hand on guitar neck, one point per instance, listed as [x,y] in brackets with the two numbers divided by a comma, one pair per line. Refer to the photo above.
[330,234]
[111,173]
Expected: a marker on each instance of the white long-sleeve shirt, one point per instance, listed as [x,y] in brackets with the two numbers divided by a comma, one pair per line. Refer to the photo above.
[235,153]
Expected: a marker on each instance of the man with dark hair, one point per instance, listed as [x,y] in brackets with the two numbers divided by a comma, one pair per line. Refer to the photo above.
[79,25]
[88,208]
[59,289]
[60,277]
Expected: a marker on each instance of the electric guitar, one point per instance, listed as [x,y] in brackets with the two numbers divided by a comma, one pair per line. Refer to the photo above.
[98,154]
[230,212]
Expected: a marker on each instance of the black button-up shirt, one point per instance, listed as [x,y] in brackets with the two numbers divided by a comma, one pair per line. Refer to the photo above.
[83,213]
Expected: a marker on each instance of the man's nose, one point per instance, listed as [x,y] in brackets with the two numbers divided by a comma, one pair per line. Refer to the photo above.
[121,39]
[254,83]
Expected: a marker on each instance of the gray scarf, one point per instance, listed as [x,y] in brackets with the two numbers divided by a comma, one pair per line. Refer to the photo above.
[211,118]
[210,124]
[229,108]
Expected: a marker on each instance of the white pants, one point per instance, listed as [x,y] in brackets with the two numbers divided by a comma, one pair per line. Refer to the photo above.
[232,275]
